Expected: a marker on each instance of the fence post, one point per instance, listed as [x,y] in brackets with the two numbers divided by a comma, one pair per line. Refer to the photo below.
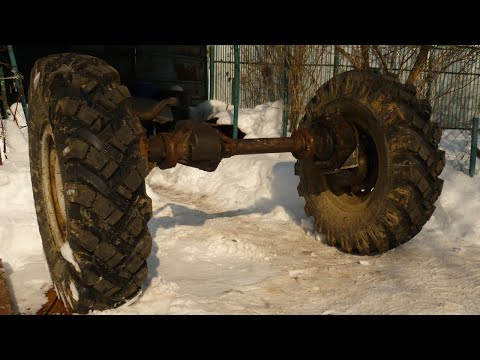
[285,93]
[212,72]
[473,148]
[236,89]
[336,61]
[13,61]
[206,81]
[3,88]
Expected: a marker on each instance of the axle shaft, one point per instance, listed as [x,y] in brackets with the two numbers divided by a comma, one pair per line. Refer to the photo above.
[262,146]
[199,145]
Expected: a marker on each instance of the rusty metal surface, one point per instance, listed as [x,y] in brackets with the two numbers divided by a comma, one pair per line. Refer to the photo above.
[204,143]
[201,145]
[192,143]
[151,110]
[5,301]
[343,142]
[161,149]
[53,306]
[144,144]
[262,146]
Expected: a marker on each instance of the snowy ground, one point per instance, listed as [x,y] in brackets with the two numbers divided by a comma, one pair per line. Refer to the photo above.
[237,242]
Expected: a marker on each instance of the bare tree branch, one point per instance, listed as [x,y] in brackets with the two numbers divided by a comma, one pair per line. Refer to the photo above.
[348,56]
[394,57]
[365,58]
[419,63]
[380,56]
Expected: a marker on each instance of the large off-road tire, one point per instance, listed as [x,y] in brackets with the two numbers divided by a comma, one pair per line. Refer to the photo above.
[88,181]
[402,157]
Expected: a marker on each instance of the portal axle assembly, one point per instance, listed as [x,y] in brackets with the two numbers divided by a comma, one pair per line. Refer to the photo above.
[201,145]
[367,160]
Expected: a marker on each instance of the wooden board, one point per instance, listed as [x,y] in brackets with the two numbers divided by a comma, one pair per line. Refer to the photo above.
[5,304]
[53,306]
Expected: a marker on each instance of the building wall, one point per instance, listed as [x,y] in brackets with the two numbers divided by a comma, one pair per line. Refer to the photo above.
[160,67]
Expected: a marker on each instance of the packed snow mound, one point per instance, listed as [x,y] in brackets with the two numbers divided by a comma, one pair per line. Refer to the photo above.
[15,135]
[207,109]
[263,121]
[457,208]
[16,138]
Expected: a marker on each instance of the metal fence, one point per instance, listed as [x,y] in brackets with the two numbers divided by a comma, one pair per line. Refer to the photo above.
[454,93]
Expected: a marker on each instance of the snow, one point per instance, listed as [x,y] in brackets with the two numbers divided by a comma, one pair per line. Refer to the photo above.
[67,254]
[66,151]
[208,109]
[20,242]
[74,291]
[237,241]
[36,80]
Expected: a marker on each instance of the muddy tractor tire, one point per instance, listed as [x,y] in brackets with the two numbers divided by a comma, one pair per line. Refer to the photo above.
[400,147]
[88,181]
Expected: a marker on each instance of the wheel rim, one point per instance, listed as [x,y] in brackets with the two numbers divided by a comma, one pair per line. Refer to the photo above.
[53,191]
